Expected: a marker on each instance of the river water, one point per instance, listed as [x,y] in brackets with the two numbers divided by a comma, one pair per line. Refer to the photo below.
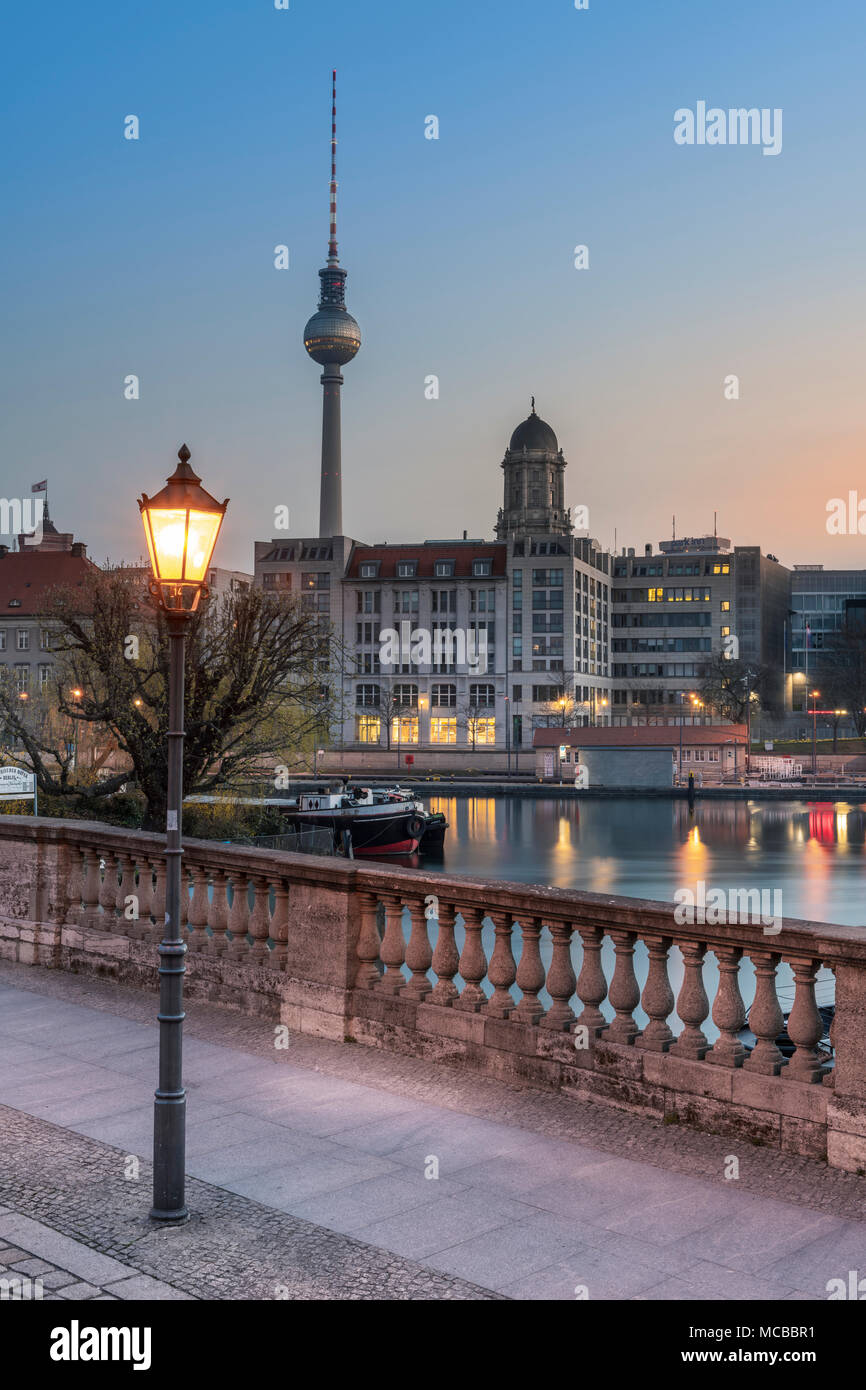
[811,854]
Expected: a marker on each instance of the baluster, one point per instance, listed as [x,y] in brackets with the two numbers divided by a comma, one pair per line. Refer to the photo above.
[77,879]
[560,979]
[184,899]
[765,1017]
[279,925]
[829,1077]
[530,973]
[623,993]
[804,1022]
[239,917]
[367,974]
[393,946]
[729,1013]
[657,999]
[693,1006]
[145,898]
[126,889]
[260,921]
[473,962]
[446,957]
[218,915]
[502,970]
[197,914]
[591,983]
[157,902]
[108,890]
[91,888]
[419,956]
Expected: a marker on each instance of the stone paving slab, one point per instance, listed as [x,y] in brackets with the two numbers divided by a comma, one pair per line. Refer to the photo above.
[61,1269]
[530,1185]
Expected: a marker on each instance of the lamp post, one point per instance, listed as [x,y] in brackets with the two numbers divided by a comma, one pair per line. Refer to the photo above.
[813,696]
[507,738]
[181,525]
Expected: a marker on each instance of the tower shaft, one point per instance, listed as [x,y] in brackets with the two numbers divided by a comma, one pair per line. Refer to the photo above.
[331,494]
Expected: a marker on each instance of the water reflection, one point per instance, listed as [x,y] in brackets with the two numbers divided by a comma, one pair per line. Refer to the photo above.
[812,852]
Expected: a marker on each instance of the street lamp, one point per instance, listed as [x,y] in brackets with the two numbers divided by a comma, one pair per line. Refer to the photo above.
[813,696]
[181,525]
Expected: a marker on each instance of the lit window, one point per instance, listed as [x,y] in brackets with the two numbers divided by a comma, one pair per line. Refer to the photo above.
[443,730]
[369,729]
[482,731]
[404,729]
[725,606]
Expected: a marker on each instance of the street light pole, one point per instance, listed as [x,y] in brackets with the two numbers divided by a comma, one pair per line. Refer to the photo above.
[169,1112]
[813,696]
[507,738]
[181,524]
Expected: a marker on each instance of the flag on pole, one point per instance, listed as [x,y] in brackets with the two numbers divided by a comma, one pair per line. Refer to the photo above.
[808,636]
[40,487]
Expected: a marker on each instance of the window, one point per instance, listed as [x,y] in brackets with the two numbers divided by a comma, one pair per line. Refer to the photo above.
[405,600]
[725,605]
[22,679]
[404,729]
[367,695]
[2,639]
[482,567]
[517,693]
[482,600]
[405,695]
[369,728]
[45,639]
[406,569]
[369,600]
[548,579]
[443,730]
[316,580]
[482,696]
[443,600]
[366,634]
[44,674]
[482,731]
[444,695]
[443,569]
[369,569]
[22,642]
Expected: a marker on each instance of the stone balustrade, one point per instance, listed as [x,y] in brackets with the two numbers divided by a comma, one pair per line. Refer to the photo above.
[556,989]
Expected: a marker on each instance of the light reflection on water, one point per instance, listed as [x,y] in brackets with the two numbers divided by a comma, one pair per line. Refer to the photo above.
[813,853]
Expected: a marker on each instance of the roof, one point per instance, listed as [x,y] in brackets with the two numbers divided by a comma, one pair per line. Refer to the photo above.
[641,736]
[426,556]
[26,578]
[534,434]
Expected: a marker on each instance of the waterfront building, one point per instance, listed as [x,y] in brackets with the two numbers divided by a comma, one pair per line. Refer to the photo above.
[821,602]
[641,755]
[676,607]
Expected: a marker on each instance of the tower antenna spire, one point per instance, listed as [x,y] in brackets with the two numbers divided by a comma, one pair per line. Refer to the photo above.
[332,244]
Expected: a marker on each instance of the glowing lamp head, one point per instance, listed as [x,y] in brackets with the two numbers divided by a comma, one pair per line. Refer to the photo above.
[181,525]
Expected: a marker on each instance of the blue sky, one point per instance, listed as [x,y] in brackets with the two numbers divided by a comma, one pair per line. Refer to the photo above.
[155,257]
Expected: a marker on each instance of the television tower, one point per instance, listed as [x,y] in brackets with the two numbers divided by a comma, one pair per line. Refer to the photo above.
[332,337]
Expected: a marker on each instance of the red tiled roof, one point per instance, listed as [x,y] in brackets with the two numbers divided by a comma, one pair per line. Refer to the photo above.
[426,556]
[29,576]
[641,736]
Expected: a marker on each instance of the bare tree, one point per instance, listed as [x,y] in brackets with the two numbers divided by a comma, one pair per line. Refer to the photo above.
[254,692]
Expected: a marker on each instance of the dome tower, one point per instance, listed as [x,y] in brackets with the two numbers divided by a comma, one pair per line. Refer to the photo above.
[332,337]
[534,491]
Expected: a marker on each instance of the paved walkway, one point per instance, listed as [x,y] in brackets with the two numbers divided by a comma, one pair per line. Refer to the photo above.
[327,1170]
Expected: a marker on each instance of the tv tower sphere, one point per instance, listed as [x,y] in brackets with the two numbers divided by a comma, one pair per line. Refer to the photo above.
[332,335]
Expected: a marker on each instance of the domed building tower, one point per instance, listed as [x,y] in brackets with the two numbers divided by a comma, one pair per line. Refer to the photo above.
[534,495]
[332,337]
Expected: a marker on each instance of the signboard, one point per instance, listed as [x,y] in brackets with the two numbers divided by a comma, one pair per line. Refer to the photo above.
[16,784]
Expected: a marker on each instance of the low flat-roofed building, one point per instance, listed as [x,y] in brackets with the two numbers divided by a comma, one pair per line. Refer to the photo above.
[646,755]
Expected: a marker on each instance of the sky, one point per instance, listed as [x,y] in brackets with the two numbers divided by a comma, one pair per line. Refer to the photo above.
[155,258]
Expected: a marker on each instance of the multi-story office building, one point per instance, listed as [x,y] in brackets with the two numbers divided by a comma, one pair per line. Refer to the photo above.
[675,608]
[821,601]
